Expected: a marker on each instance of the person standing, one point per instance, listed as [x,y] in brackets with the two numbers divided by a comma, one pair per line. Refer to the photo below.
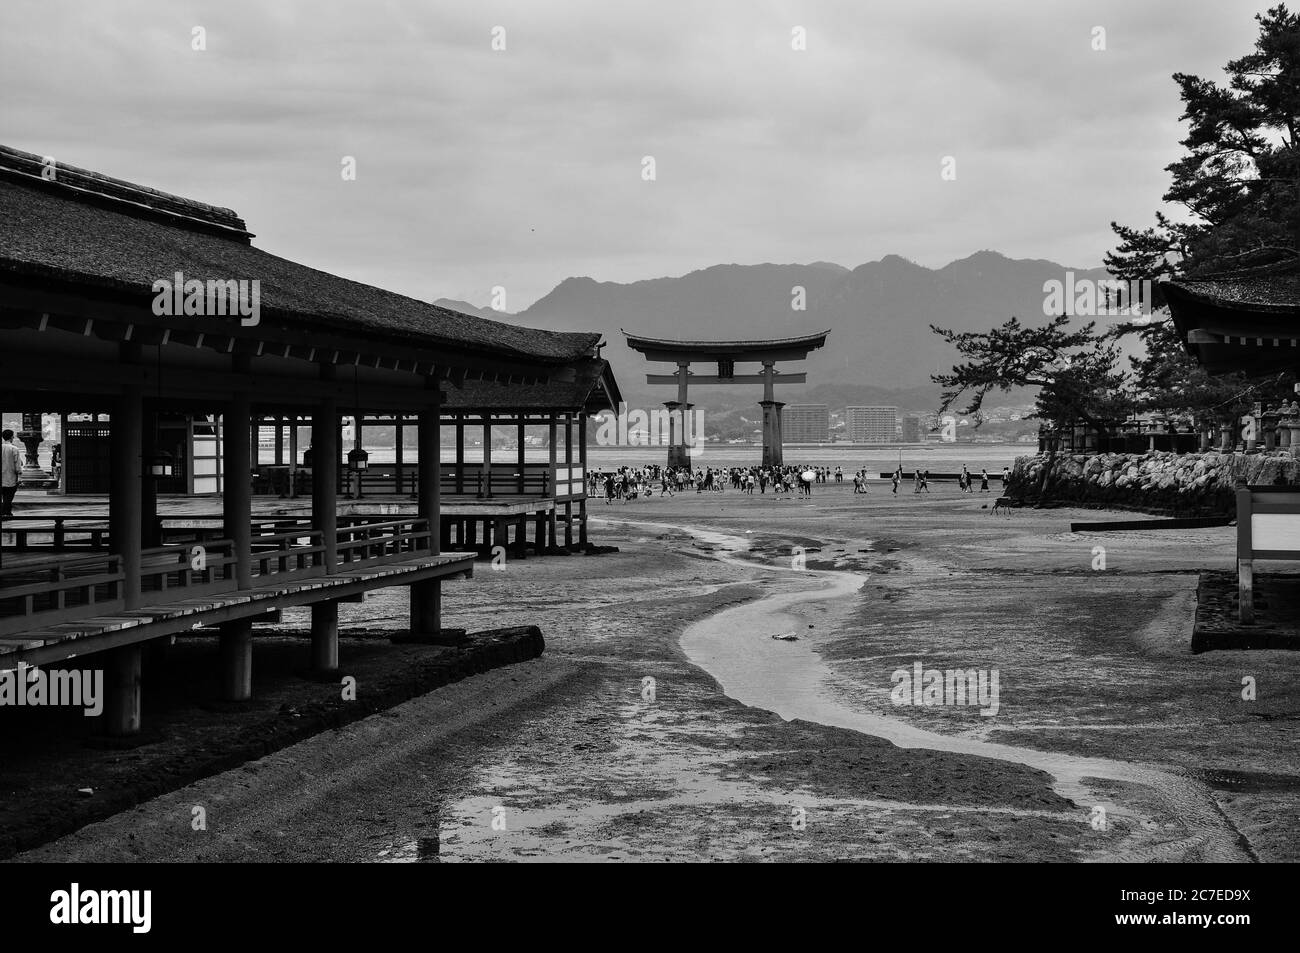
[11,468]
[984,480]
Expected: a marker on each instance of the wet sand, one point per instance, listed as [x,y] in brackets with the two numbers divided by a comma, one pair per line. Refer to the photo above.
[755,748]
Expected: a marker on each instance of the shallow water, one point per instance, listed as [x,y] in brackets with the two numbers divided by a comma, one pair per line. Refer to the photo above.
[790,679]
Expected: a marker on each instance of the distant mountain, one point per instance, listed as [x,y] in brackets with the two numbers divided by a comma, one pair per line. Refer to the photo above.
[464,307]
[879,315]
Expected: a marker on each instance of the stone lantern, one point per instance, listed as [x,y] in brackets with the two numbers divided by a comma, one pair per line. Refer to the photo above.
[32,435]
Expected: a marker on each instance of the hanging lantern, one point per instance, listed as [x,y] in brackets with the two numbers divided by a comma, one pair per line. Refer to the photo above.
[160,465]
[357,459]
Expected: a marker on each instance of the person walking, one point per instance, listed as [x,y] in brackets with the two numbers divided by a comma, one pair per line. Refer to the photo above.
[11,468]
[896,479]
[984,480]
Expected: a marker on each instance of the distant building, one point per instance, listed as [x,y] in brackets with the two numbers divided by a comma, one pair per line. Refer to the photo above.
[914,429]
[871,424]
[805,423]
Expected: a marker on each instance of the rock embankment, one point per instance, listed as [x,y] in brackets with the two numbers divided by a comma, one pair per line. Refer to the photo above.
[1184,484]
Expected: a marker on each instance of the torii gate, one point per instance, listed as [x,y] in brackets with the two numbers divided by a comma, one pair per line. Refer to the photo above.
[726,354]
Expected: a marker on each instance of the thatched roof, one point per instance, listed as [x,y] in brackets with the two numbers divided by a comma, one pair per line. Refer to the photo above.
[1239,322]
[87,233]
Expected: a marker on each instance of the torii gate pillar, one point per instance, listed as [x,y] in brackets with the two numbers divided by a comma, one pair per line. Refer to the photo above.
[679,452]
[771,417]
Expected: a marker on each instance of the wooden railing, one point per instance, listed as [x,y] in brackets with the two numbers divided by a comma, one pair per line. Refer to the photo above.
[48,593]
[382,542]
[62,589]
[58,532]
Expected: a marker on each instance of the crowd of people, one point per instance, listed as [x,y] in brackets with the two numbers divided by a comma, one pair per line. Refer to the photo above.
[630,483]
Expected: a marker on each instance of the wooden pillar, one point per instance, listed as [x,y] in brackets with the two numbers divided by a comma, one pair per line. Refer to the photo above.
[486,472]
[150,529]
[293,457]
[125,479]
[426,596]
[582,462]
[399,470]
[279,440]
[539,533]
[520,442]
[568,462]
[122,704]
[324,480]
[325,636]
[235,646]
[550,515]
[1246,591]
[63,444]
[236,491]
[521,536]
[236,638]
[1245,557]
[460,454]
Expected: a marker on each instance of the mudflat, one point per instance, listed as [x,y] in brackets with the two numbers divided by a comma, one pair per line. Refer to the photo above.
[665,721]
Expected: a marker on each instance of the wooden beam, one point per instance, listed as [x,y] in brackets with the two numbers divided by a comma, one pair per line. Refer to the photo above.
[799,377]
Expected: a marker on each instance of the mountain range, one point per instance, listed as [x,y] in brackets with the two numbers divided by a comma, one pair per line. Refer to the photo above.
[879,316]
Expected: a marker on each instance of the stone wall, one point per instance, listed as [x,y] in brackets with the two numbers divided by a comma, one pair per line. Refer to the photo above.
[1190,484]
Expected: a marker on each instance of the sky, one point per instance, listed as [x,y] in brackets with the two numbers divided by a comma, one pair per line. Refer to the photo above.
[481,168]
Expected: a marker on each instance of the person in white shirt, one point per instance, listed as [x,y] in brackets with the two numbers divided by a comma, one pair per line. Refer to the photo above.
[11,468]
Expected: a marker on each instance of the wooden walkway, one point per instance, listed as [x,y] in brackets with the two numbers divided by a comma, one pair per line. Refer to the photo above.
[67,640]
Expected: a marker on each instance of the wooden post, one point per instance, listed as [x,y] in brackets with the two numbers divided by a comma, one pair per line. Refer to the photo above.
[398,470]
[582,462]
[126,478]
[293,457]
[325,636]
[150,530]
[63,444]
[539,533]
[236,638]
[279,440]
[122,704]
[426,596]
[520,441]
[1245,559]
[460,454]
[324,475]
[236,492]
[568,462]
[550,514]
[235,646]
[486,472]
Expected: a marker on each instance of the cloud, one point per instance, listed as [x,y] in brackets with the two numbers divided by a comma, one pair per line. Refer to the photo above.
[518,168]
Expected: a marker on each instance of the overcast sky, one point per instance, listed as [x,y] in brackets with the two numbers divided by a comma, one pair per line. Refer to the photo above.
[519,168]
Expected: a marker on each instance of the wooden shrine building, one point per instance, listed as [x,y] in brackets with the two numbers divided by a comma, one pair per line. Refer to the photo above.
[725,354]
[88,265]
[1250,322]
